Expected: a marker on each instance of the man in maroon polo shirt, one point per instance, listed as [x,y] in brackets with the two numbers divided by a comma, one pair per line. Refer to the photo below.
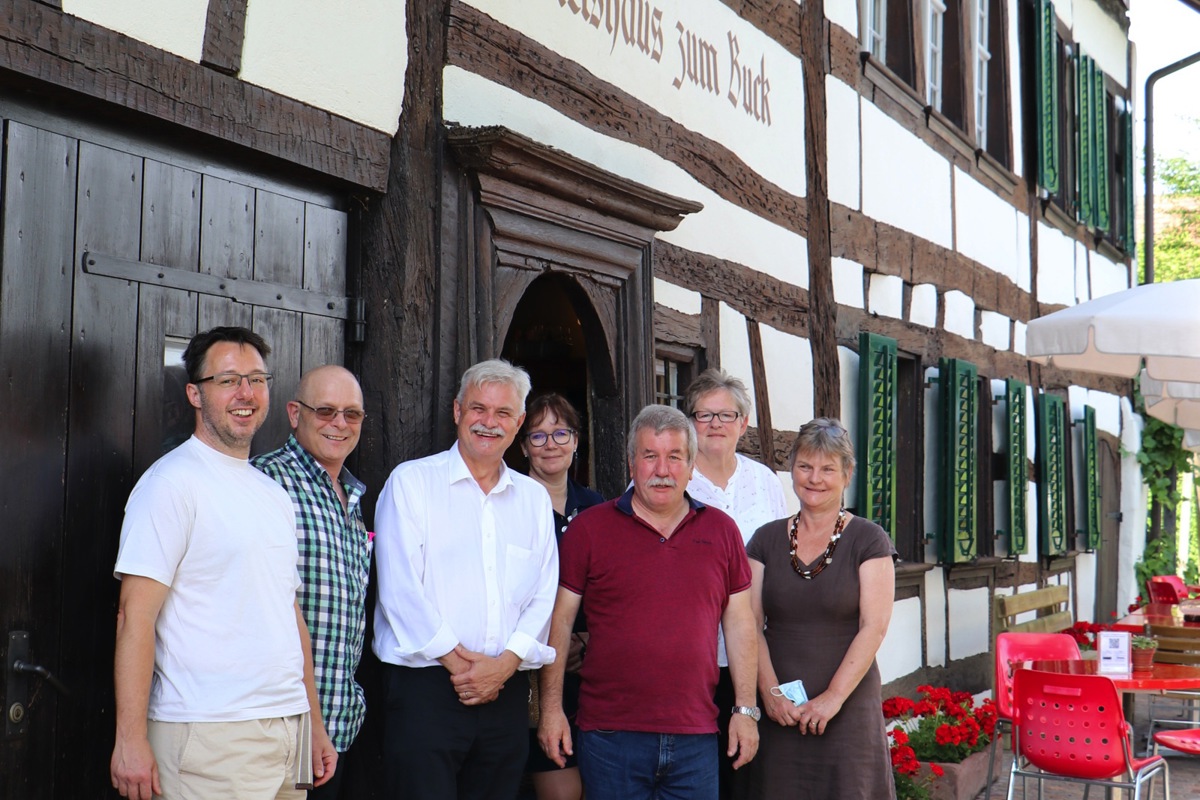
[655,572]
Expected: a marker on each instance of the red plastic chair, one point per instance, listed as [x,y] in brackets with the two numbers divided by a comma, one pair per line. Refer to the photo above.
[1071,728]
[1184,741]
[1011,650]
[1167,589]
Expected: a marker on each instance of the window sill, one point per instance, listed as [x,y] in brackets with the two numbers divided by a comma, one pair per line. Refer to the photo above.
[950,133]
[980,574]
[998,172]
[892,85]
[910,579]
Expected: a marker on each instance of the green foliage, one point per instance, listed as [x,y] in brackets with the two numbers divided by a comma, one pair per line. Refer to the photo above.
[1158,559]
[1144,642]
[1178,175]
[1162,459]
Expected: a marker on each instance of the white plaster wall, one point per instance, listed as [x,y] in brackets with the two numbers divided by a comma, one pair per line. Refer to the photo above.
[1064,11]
[1016,84]
[1083,289]
[842,12]
[676,297]
[985,226]
[935,617]
[1101,37]
[1108,411]
[176,26]
[848,363]
[922,305]
[788,361]
[1107,275]
[1056,267]
[735,350]
[994,329]
[886,297]
[1031,512]
[900,653]
[1085,586]
[968,623]
[721,229]
[1024,265]
[960,313]
[842,106]
[904,181]
[848,282]
[1134,502]
[775,151]
[1019,329]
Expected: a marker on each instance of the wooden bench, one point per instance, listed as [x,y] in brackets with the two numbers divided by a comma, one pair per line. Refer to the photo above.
[1050,604]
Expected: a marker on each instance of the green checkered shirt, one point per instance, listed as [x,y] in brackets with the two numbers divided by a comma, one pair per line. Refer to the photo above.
[335,560]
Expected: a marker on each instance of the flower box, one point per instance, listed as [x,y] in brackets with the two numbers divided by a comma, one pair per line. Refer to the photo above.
[962,781]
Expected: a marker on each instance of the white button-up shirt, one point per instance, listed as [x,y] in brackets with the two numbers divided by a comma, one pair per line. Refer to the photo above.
[456,565]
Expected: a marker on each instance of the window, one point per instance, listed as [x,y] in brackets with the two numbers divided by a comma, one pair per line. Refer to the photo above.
[991,96]
[958,461]
[1090,475]
[1120,135]
[674,368]
[943,60]
[888,36]
[935,28]
[910,458]
[1052,470]
[876,472]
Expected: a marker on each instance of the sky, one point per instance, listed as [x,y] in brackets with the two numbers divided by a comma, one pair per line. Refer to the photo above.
[1163,32]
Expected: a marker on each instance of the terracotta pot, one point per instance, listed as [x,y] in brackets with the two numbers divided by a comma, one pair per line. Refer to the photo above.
[963,781]
[1143,659]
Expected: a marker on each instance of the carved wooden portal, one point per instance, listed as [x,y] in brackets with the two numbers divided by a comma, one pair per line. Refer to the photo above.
[514,211]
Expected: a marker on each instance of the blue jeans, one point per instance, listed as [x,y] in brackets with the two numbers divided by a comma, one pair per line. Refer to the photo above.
[628,765]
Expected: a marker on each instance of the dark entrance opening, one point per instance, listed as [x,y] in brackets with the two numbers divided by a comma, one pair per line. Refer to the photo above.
[548,340]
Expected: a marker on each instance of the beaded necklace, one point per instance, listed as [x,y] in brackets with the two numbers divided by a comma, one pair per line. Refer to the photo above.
[826,558]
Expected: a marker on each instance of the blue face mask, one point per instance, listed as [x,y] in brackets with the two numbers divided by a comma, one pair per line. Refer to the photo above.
[793,691]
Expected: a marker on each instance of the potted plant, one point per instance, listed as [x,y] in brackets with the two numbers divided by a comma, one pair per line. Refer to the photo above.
[1143,652]
[945,729]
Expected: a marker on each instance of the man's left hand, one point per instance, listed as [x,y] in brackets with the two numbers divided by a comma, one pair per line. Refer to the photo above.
[324,757]
[486,676]
[743,739]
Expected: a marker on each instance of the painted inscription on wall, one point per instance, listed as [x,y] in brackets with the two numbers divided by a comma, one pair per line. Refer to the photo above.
[694,63]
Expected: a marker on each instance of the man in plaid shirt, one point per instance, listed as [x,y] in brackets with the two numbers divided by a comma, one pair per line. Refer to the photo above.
[335,552]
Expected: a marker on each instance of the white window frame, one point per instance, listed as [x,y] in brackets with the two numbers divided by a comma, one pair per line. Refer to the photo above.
[875,29]
[935,15]
[983,57]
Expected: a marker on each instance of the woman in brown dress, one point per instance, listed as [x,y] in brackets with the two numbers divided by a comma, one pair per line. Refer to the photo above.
[823,585]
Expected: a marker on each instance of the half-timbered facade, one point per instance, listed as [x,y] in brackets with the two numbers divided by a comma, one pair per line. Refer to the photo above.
[855,206]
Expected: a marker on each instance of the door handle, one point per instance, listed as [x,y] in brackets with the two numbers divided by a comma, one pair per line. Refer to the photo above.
[23,666]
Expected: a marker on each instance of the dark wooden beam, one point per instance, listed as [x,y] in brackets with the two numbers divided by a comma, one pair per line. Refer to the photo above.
[823,309]
[42,47]
[224,34]
[762,398]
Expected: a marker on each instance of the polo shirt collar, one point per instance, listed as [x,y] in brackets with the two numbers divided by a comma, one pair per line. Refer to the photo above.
[625,502]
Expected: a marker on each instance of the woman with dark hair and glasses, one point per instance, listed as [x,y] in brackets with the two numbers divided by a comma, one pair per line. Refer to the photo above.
[823,582]
[550,439]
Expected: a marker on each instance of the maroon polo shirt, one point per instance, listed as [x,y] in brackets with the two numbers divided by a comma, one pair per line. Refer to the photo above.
[653,605]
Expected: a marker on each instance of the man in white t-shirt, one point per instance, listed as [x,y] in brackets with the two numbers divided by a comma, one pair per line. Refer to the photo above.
[213,661]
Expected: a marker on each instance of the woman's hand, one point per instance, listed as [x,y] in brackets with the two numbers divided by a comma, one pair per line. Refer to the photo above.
[781,710]
[816,713]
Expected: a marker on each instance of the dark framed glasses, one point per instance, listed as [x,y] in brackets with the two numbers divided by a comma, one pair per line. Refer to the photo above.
[560,436]
[232,380]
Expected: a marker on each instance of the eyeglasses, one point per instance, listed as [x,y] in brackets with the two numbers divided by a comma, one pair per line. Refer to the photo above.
[353,416]
[232,380]
[560,436]
[725,416]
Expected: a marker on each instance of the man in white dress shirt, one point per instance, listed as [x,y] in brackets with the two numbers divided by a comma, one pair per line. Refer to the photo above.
[468,572]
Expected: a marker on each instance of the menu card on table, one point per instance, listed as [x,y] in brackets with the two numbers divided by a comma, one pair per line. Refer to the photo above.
[1113,647]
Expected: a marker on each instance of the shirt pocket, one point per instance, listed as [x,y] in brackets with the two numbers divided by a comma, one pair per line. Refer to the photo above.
[521,574]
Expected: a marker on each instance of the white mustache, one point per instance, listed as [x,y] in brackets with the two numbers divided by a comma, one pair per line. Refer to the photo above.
[667,483]
[479,427]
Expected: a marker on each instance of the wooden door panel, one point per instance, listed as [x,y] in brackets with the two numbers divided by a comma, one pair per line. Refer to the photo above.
[278,239]
[162,313]
[170,216]
[281,329]
[35,314]
[325,240]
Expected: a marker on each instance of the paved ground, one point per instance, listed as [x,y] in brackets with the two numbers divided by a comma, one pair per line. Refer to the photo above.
[1184,771]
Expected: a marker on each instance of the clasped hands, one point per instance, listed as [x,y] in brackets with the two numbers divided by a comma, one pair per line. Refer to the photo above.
[478,678]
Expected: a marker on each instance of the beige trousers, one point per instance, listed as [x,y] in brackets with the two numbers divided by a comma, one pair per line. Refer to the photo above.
[252,760]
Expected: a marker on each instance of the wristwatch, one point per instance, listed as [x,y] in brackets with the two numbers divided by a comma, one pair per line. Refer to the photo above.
[752,712]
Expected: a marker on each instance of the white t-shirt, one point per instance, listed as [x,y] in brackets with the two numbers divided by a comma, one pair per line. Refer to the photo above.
[753,497]
[222,536]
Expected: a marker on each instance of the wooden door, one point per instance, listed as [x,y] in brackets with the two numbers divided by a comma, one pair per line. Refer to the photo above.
[1108,560]
[112,259]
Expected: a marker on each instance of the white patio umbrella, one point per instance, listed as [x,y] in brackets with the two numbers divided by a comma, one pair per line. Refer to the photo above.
[1176,402]
[1156,326]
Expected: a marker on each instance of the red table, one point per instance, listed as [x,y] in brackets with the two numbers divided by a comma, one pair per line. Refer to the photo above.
[1160,614]
[1161,678]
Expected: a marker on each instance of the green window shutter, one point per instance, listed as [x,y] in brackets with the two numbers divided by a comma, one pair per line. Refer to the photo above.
[1046,75]
[958,461]
[1091,478]
[1018,480]
[1100,148]
[1052,475]
[876,488]
[1084,158]
[1127,236]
